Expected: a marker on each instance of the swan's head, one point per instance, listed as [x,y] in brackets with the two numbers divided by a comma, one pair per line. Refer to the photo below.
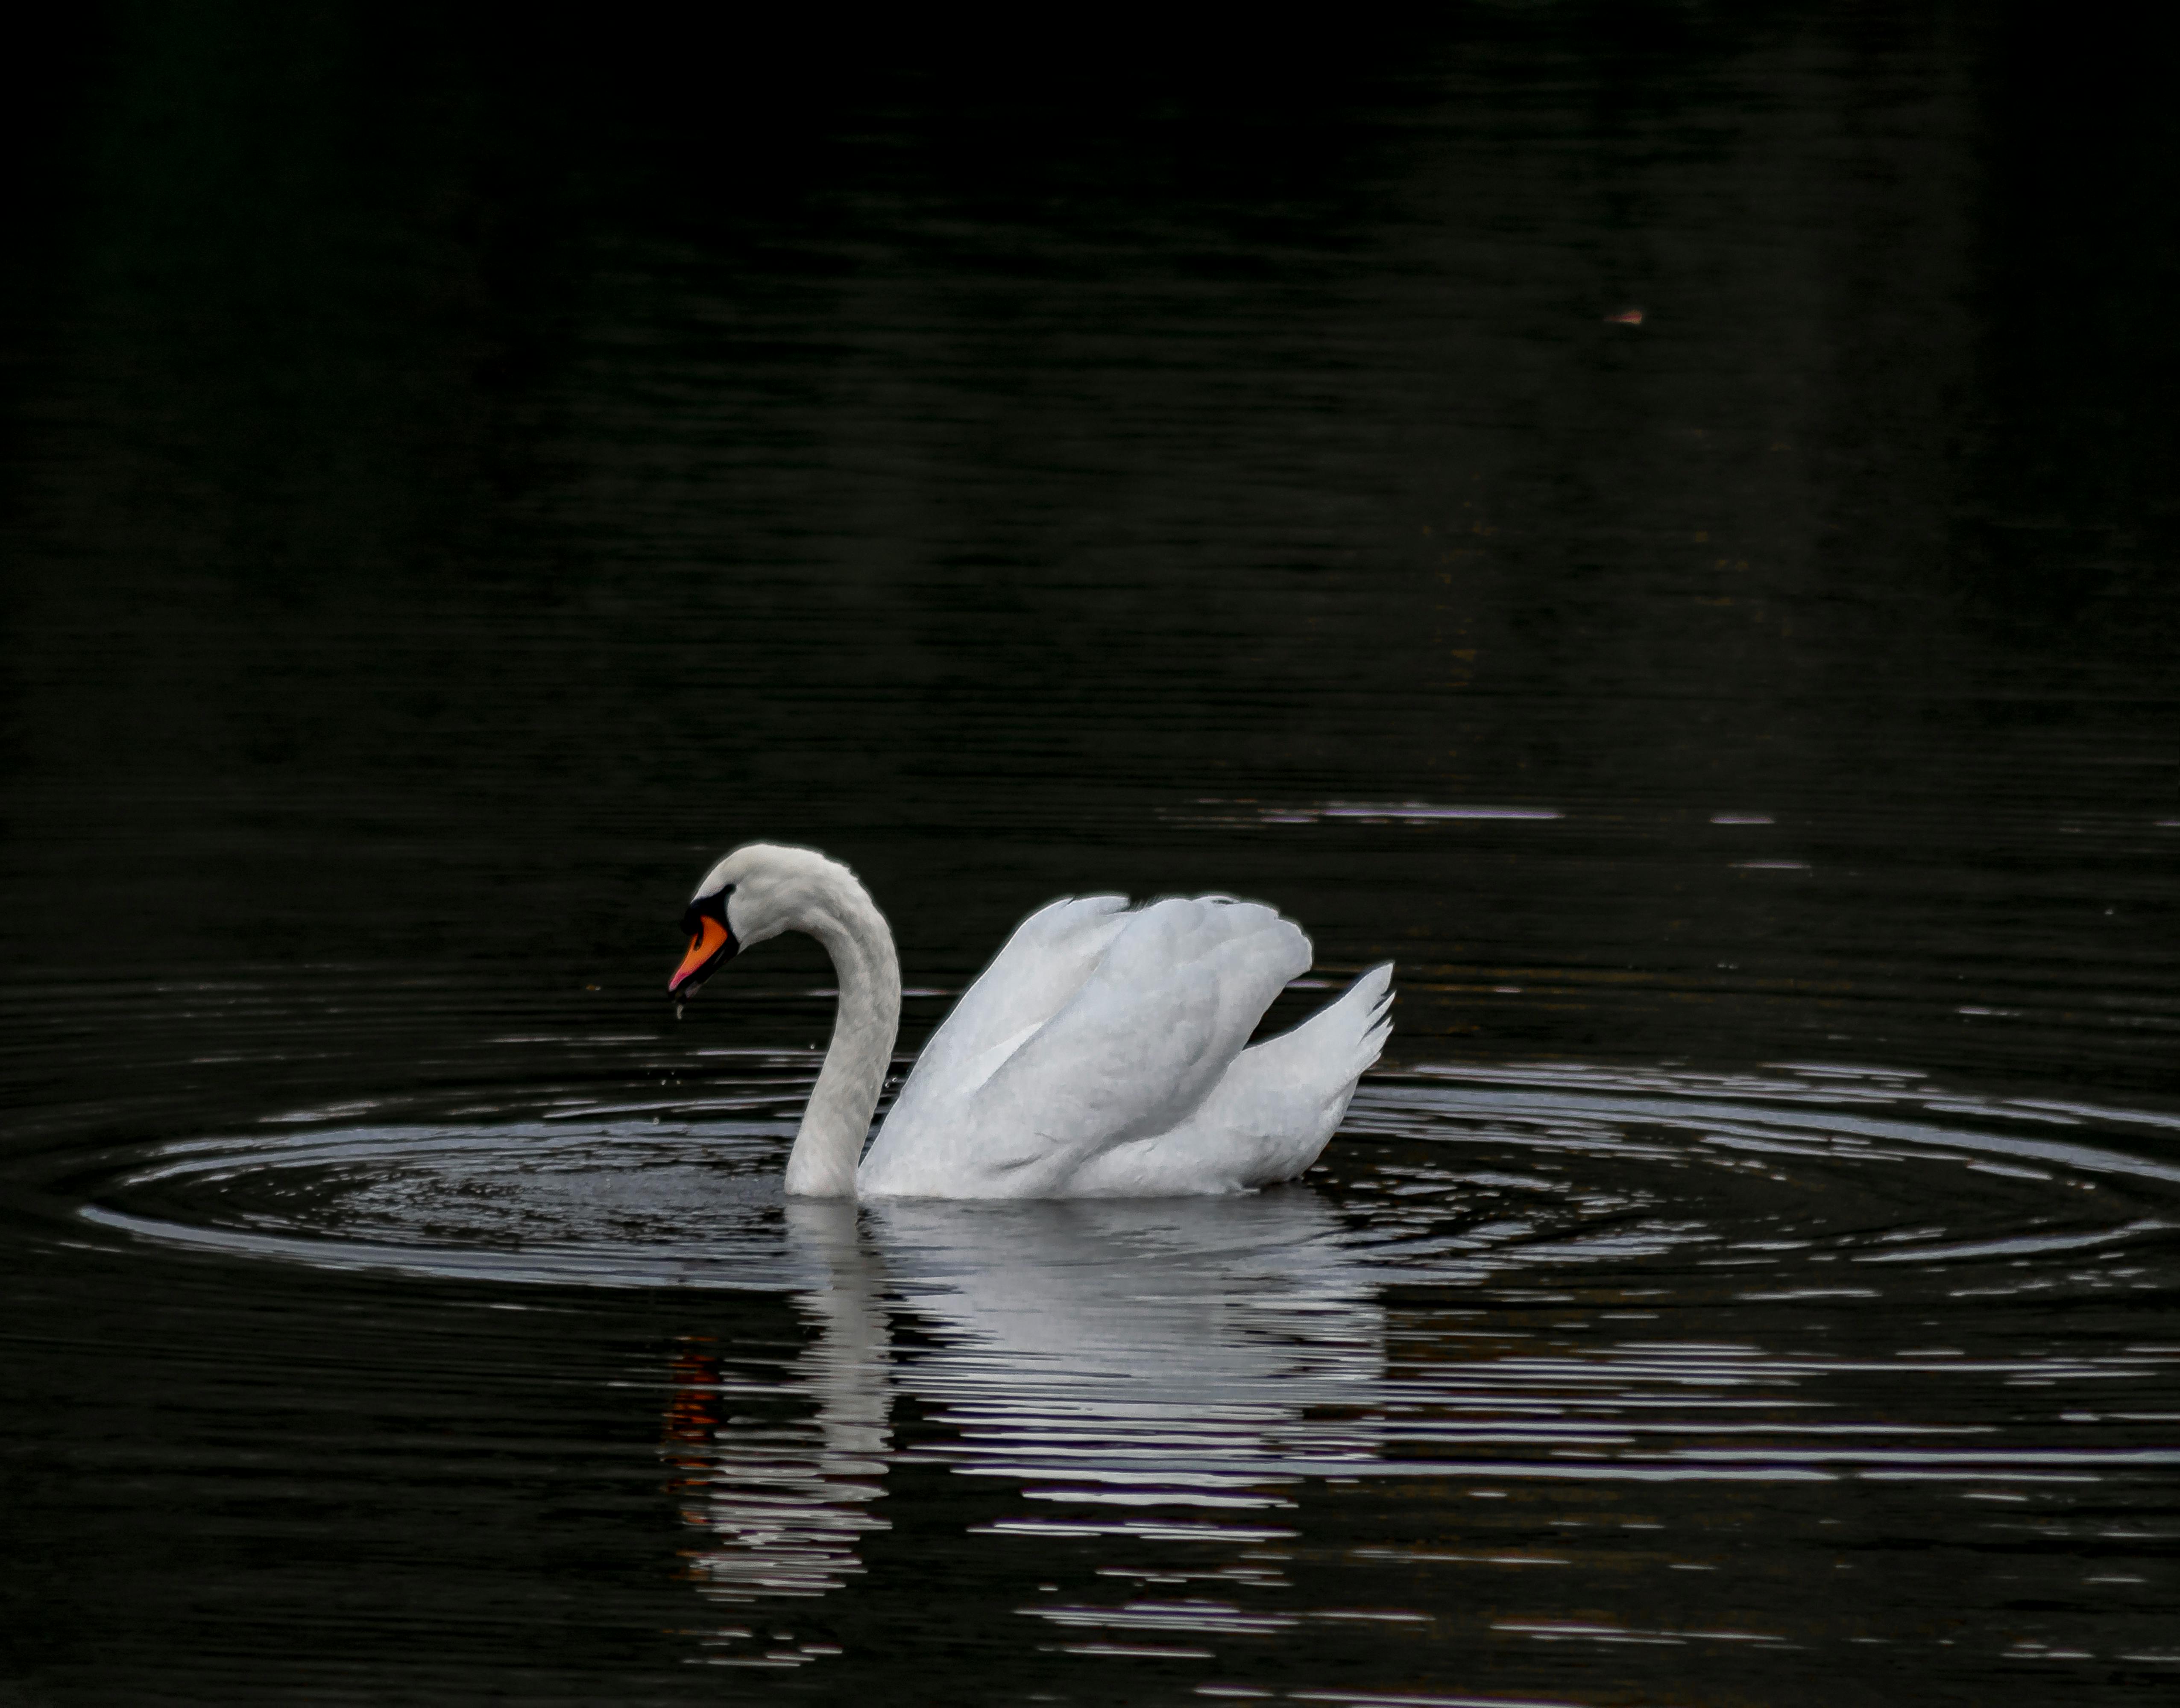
[757,892]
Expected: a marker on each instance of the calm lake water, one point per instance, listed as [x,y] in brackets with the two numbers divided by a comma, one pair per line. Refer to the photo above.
[1662,524]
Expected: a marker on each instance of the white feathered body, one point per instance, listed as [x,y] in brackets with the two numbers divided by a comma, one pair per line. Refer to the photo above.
[1101,1054]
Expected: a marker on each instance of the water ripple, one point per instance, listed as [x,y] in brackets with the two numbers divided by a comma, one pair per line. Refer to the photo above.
[1500,1282]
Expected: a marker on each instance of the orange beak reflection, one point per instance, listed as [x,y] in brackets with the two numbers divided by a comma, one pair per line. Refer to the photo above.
[703,947]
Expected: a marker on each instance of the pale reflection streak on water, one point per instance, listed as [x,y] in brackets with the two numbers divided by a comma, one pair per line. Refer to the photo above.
[780,1505]
[1551,1319]
[1153,1371]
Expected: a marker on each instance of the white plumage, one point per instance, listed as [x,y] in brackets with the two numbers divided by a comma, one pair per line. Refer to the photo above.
[1101,1054]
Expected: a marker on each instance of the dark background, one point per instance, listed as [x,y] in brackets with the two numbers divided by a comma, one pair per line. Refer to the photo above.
[461,472]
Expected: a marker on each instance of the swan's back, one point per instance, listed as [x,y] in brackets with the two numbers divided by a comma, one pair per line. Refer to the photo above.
[1098,1031]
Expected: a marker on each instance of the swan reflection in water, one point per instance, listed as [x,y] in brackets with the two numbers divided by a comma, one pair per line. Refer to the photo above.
[781,1501]
[1156,1367]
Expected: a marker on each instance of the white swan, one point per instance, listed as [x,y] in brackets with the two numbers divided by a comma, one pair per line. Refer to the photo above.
[1099,1056]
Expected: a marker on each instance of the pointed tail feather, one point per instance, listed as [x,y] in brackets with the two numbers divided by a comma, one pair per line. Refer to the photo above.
[1330,1049]
[1371,998]
[1302,1079]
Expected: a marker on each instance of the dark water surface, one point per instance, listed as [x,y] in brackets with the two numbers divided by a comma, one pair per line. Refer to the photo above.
[458,481]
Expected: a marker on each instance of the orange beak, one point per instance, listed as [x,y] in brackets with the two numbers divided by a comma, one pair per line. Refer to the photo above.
[702,948]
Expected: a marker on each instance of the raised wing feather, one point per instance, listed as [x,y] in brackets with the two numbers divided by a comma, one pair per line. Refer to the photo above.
[1048,958]
[1131,1052]
[1153,1028]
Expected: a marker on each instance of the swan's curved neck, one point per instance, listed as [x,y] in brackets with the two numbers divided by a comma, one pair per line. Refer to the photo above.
[838,1122]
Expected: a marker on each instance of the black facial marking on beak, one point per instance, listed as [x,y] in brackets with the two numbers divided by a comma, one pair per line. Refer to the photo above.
[711,944]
